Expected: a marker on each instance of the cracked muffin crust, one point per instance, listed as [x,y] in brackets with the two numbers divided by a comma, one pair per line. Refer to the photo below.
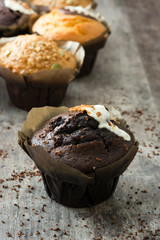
[62,25]
[79,140]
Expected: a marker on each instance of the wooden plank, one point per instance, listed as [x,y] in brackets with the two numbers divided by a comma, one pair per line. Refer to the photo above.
[119,77]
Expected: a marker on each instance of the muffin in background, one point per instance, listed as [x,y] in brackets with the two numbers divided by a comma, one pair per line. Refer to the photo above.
[32,53]
[80,151]
[75,24]
[48,5]
[15,17]
[37,71]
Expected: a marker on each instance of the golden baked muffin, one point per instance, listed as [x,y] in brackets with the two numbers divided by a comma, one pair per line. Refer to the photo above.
[76,24]
[32,53]
[61,25]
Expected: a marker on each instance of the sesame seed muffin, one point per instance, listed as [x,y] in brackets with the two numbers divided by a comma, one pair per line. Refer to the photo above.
[37,70]
[80,151]
[75,24]
[32,53]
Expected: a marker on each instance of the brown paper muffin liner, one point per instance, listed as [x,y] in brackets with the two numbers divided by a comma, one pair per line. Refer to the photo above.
[94,4]
[44,87]
[64,184]
[91,52]
[21,27]
[93,46]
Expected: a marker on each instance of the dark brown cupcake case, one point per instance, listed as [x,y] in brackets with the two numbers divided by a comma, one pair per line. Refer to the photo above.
[91,51]
[93,46]
[44,87]
[66,182]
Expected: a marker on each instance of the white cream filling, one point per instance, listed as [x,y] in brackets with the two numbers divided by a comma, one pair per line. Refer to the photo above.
[17,6]
[104,117]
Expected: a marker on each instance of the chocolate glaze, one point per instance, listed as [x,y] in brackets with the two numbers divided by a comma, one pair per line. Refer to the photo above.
[75,139]
[7,16]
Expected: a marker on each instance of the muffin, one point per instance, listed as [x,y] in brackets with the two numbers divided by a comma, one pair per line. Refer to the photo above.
[15,17]
[75,24]
[80,151]
[46,6]
[37,71]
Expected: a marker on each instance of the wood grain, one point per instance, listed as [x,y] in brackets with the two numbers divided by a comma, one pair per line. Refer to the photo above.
[119,77]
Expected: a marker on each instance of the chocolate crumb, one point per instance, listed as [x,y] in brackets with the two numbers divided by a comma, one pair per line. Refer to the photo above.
[126,147]
[98,159]
[16,205]
[9,234]
[55,229]
[1,181]
[43,197]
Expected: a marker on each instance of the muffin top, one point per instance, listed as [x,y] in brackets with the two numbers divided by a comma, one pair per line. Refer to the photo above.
[32,53]
[61,3]
[86,137]
[62,24]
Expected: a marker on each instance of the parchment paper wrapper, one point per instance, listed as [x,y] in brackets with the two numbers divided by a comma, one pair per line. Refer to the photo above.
[20,27]
[44,87]
[65,184]
[93,46]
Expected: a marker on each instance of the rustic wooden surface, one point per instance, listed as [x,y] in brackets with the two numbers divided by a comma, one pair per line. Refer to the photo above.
[126,74]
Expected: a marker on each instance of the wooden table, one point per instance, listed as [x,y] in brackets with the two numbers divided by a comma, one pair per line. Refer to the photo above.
[126,74]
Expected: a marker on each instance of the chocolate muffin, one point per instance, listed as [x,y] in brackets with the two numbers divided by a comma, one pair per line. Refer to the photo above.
[81,152]
[75,24]
[15,17]
[83,138]
[7,16]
